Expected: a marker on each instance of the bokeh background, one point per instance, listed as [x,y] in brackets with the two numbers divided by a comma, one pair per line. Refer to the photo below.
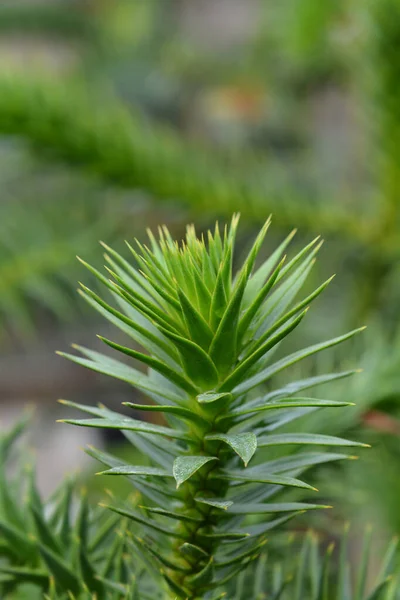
[120,115]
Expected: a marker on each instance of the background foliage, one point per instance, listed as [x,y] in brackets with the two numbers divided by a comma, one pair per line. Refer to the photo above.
[118,116]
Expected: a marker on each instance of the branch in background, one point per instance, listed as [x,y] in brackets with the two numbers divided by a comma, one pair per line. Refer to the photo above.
[38,244]
[70,124]
[53,21]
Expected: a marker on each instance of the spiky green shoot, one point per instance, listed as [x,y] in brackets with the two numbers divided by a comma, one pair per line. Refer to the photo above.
[209,339]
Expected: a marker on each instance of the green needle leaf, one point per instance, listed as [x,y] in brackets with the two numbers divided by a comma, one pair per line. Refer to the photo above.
[183,413]
[244,444]
[193,551]
[285,404]
[144,521]
[259,509]
[128,425]
[136,470]
[259,477]
[171,515]
[215,502]
[155,364]
[202,577]
[198,328]
[268,372]
[306,438]
[240,372]
[186,466]
[223,347]
[196,362]
[60,570]
[213,397]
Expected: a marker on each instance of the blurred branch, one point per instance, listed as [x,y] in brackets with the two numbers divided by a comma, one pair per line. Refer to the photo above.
[53,21]
[121,148]
[38,244]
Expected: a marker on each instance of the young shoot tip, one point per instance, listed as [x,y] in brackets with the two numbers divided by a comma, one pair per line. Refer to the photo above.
[83,262]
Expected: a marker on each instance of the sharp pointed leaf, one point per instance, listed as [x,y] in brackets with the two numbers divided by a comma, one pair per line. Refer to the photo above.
[215,502]
[186,466]
[197,364]
[244,444]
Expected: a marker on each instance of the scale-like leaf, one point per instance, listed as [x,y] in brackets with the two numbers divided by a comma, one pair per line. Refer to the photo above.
[186,466]
[219,299]
[215,502]
[198,328]
[196,362]
[244,444]
[223,348]
[209,398]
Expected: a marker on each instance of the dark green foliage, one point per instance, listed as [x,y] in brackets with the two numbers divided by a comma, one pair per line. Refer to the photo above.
[209,383]
[54,21]
[59,547]
[310,570]
[125,150]
[197,529]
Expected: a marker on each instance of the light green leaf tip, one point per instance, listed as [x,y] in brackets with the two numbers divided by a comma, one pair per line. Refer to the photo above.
[186,466]
[244,444]
[210,397]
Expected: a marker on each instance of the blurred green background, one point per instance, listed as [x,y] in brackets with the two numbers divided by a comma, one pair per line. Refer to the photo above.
[118,116]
